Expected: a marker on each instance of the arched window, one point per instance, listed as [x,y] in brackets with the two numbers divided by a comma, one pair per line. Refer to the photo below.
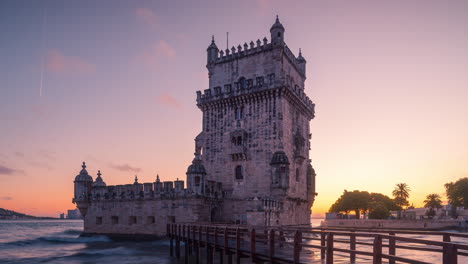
[239,140]
[297,174]
[197,181]
[239,173]
[242,83]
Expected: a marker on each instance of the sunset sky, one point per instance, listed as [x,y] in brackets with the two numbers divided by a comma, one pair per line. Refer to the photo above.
[113,83]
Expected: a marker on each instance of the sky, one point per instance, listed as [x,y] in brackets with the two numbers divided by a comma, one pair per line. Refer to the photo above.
[113,83]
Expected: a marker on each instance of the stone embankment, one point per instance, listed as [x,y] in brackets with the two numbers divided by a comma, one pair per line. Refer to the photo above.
[425,224]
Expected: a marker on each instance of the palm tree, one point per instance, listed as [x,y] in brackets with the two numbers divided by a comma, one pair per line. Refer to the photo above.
[401,194]
[432,201]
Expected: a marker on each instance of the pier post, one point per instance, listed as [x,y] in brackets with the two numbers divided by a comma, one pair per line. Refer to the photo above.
[391,247]
[171,244]
[352,246]
[177,249]
[271,244]
[197,245]
[447,237]
[215,246]
[209,254]
[281,238]
[252,245]
[322,244]
[450,254]
[238,257]
[186,246]
[297,246]
[226,245]
[329,259]
[377,255]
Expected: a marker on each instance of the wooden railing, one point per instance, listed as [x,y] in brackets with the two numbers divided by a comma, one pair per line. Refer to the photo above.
[286,244]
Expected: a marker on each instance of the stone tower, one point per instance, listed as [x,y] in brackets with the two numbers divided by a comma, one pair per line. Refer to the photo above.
[256,136]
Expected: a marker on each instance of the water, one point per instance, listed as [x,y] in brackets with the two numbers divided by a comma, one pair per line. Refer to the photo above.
[58,241]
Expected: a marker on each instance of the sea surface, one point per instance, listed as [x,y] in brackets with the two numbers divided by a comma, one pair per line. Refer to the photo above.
[58,241]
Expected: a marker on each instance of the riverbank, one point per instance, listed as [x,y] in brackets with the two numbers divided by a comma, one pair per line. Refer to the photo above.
[403,224]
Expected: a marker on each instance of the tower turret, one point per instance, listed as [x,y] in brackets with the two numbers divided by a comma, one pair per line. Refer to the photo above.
[196,175]
[301,62]
[212,51]
[277,33]
[83,184]
[99,187]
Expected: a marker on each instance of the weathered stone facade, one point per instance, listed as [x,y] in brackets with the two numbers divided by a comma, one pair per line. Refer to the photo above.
[251,162]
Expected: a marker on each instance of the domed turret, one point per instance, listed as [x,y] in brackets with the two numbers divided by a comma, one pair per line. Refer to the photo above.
[83,176]
[279,157]
[196,175]
[277,32]
[196,167]
[99,182]
[83,185]
[212,51]
[301,61]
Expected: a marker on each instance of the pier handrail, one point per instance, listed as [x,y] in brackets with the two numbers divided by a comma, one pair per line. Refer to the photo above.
[272,244]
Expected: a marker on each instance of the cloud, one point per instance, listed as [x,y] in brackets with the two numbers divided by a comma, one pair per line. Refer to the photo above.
[157,54]
[6,198]
[9,171]
[125,167]
[57,62]
[168,100]
[147,16]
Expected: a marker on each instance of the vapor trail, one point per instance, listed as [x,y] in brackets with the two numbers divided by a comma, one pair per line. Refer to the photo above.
[44,23]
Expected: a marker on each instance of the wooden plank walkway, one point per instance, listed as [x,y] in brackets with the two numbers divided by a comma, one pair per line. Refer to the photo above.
[300,244]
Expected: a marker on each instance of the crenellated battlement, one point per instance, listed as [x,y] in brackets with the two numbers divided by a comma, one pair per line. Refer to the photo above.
[227,92]
[97,190]
[242,51]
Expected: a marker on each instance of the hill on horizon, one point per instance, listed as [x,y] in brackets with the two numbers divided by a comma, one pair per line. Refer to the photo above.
[9,214]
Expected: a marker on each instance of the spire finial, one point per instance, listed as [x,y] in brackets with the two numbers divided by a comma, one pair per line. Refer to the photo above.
[84,165]
[277,19]
[212,38]
[157,177]
[136,179]
[300,52]
[99,173]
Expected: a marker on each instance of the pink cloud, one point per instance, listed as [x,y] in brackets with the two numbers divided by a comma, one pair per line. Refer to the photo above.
[125,167]
[157,53]
[57,62]
[147,16]
[168,100]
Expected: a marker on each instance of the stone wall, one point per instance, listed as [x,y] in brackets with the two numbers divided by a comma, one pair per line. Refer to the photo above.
[143,217]
[391,224]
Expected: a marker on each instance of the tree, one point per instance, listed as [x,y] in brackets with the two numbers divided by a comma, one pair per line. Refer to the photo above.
[378,210]
[457,194]
[401,194]
[377,204]
[432,201]
[356,201]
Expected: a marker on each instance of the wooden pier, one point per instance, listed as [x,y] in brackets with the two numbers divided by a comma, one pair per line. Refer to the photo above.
[297,244]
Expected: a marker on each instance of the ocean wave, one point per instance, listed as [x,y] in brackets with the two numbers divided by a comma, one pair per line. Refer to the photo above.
[73,232]
[58,240]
